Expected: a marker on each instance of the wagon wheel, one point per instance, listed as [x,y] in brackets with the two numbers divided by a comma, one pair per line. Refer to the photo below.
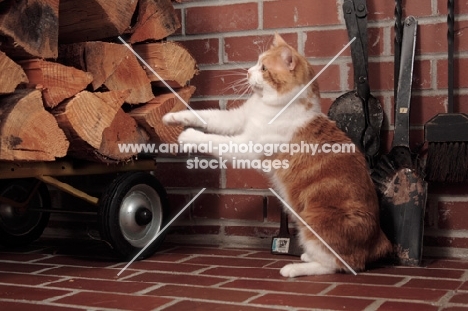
[20,224]
[132,210]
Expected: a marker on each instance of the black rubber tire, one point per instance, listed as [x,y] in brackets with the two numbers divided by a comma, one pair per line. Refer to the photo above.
[109,208]
[20,227]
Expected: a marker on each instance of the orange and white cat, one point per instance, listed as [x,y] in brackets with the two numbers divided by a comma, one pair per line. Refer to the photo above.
[332,192]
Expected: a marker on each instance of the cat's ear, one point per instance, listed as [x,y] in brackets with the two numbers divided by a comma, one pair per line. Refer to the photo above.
[286,52]
[278,40]
[288,57]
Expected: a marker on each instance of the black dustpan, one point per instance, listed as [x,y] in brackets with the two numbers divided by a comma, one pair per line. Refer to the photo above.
[399,176]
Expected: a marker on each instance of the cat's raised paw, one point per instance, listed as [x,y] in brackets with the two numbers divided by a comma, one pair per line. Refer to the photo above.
[171,119]
[191,135]
[184,118]
[181,118]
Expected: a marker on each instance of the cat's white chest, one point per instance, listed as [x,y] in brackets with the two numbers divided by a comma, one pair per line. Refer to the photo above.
[268,124]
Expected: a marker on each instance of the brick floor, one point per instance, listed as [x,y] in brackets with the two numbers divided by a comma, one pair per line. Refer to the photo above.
[82,275]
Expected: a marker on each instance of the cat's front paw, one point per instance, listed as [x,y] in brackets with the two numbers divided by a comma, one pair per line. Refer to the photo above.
[184,118]
[191,136]
[172,119]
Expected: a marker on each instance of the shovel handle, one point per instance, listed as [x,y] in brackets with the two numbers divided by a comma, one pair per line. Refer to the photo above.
[358,54]
[284,226]
[397,41]
[450,42]
[402,109]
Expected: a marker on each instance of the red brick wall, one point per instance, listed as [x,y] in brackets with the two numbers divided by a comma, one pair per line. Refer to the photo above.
[225,36]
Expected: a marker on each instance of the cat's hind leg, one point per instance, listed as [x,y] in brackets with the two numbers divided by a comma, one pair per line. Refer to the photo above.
[305,268]
[317,261]
[306,258]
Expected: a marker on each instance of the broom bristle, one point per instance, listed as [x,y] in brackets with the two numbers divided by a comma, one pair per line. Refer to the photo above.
[465,156]
[447,162]
[458,168]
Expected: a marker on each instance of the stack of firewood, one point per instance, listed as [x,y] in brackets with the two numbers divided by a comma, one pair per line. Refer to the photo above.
[70,87]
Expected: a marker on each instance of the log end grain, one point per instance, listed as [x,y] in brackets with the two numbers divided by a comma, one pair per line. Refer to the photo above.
[84,117]
[156,20]
[34,36]
[172,62]
[27,131]
[58,82]
[11,75]
[123,130]
[150,115]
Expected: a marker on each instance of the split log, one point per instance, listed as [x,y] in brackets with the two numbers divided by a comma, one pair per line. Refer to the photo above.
[149,116]
[100,59]
[87,20]
[27,131]
[123,130]
[172,62]
[130,75]
[58,82]
[11,75]
[84,118]
[30,28]
[157,19]
[112,65]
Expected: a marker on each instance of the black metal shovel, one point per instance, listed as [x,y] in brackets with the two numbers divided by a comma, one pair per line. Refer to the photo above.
[285,243]
[397,40]
[358,113]
[399,176]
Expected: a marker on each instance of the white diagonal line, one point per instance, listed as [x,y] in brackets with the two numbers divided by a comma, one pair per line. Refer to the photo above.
[161,79]
[160,232]
[313,231]
[312,81]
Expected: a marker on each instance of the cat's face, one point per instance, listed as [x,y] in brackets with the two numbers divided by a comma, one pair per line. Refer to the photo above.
[279,71]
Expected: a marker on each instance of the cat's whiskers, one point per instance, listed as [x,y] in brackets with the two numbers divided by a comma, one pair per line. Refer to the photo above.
[247,90]
[239,66]
[239,85]
[232,71]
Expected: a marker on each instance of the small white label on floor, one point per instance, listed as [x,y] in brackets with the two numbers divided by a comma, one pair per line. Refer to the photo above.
[280,245]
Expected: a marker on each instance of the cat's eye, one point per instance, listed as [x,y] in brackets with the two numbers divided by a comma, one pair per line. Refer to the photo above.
[264,68]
